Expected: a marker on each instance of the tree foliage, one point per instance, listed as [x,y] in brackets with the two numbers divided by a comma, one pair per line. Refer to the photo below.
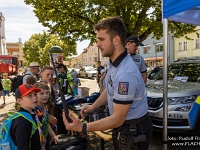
[74,19]
[37,48]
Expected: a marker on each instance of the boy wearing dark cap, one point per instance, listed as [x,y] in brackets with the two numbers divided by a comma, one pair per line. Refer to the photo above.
[132,44]
[21,131]
[99,68]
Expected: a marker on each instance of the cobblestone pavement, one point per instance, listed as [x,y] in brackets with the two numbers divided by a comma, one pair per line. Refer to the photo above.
[10,103]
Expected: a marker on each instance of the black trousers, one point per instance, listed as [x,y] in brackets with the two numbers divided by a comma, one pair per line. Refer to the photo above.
[144,127]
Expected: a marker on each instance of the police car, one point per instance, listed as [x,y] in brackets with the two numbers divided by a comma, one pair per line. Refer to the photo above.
[183,96]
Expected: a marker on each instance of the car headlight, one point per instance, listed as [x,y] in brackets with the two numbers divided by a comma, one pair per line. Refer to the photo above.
[181,100]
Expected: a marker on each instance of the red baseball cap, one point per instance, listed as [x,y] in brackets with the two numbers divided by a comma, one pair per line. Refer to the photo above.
[24,90]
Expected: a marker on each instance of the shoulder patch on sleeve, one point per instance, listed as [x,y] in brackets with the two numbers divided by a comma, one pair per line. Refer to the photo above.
[123,88]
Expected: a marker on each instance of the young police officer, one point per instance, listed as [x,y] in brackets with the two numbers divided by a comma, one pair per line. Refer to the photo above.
[124,91]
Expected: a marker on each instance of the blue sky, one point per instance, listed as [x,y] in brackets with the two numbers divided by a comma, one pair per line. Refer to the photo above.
[20,22]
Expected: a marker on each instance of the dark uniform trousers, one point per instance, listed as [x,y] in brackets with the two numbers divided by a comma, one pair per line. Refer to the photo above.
[134,134]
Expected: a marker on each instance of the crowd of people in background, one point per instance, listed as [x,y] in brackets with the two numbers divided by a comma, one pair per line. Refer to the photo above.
[42,88]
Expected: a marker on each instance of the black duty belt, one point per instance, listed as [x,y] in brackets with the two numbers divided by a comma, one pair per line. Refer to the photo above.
[135,121]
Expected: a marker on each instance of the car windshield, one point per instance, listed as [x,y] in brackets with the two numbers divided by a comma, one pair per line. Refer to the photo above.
[190,70]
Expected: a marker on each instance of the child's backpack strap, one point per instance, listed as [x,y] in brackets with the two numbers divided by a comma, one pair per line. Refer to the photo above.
[6,125]
[29,118]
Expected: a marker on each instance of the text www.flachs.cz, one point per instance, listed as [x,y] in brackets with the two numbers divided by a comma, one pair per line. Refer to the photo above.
[186,144]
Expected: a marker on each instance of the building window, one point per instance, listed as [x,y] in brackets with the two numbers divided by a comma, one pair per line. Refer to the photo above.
[147,49]
[180,45]
[90,58]
[12,46]
[159,47]
[93,49]
[197,44]
[16,54]
[185,45]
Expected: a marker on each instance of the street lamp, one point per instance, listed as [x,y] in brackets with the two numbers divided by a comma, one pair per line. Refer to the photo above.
[57,52]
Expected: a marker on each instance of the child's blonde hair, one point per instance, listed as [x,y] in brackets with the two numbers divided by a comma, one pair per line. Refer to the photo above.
[5,74]
[47,67]
[41,85]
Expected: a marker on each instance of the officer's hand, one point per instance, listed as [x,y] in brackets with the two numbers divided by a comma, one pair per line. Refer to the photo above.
[74,125]
[86,109]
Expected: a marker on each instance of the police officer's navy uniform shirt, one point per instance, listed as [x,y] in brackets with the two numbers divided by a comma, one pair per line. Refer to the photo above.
[125,85]
[139,61]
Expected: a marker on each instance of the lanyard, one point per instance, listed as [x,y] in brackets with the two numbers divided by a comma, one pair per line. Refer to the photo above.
[42,138]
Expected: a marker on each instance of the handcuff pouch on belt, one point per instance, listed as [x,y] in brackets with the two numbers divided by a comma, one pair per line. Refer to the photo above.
[128,136]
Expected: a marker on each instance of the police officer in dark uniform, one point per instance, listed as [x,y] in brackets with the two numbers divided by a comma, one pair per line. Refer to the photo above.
[99,68]
[65,79]
[125,93]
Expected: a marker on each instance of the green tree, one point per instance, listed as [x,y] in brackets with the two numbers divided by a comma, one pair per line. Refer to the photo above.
[74,19]
[37,48]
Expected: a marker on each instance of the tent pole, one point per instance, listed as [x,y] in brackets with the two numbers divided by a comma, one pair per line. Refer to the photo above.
[165,83]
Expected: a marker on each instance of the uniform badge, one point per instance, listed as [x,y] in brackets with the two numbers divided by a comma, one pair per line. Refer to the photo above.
[136,60]
[123,88]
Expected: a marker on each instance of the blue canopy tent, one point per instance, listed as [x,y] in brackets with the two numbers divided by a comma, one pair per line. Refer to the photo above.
[185,11]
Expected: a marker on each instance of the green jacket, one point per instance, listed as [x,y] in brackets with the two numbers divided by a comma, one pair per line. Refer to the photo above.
[69,79]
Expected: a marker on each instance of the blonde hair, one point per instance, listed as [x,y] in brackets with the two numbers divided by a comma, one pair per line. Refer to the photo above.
[5,74]
[41,85]
[47,67]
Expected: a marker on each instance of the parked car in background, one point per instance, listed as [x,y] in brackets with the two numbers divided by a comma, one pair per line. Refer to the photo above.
[183,96]
[73,70]
[152,72]
[87,72]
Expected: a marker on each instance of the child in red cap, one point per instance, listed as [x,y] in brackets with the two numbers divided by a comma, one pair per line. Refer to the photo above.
[21,128]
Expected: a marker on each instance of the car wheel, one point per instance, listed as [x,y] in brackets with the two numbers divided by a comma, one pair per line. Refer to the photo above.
[86,76]
[79,75]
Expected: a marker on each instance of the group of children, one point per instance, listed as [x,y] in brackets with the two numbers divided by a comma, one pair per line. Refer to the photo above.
[38,99]
[32,100]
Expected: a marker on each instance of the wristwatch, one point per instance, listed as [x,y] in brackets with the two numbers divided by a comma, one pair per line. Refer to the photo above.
[84,128]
